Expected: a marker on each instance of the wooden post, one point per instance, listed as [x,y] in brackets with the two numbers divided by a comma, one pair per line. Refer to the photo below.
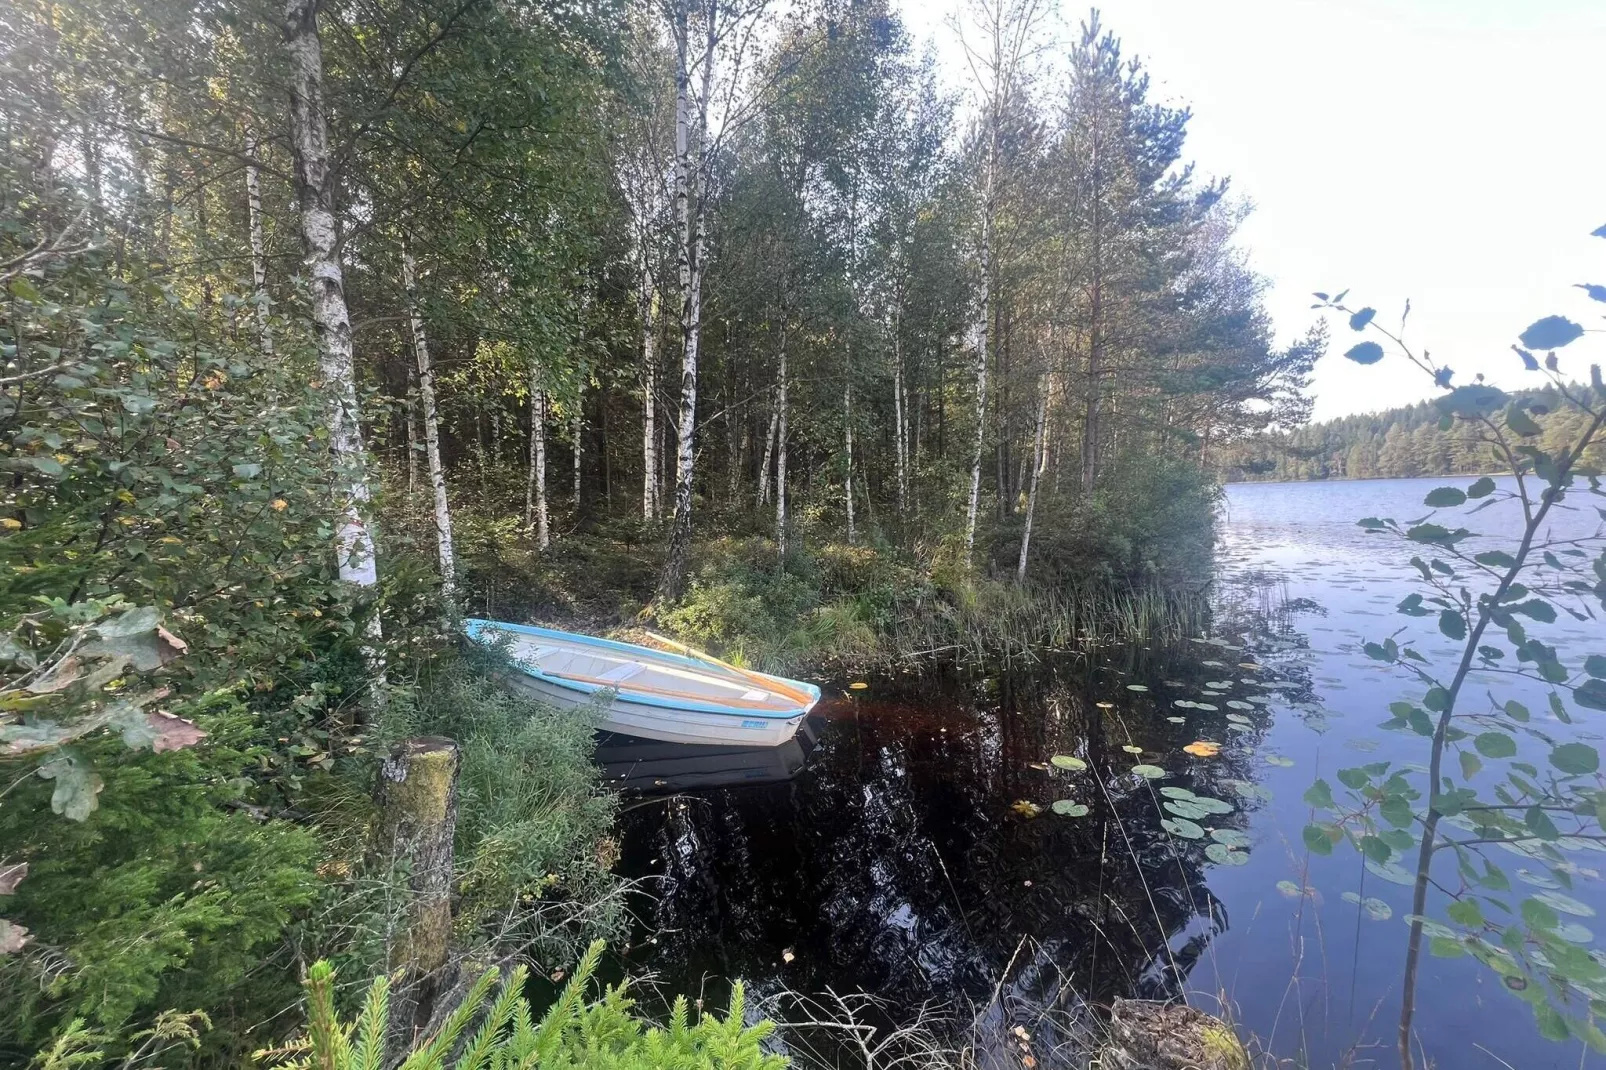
[417,795]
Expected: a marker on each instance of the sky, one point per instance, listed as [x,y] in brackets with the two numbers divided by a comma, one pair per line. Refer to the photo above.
[1449,152]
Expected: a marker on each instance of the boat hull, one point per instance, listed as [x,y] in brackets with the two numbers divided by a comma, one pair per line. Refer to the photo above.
[664,724]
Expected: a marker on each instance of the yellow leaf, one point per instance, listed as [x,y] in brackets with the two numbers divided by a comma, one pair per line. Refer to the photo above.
[1203,749]
[10,523]
[858,685]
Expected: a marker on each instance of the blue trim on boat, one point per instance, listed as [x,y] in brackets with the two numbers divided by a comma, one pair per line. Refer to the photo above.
[475,627]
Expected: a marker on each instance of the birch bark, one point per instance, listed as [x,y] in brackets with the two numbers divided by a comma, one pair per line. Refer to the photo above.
[1039,456]
[259,257]
[780,456]
[432,442]
[535,504]
[649,385]
[331,322]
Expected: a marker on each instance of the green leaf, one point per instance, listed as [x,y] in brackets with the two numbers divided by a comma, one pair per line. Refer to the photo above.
[1396,810]
[1066,761]
[1540,825]
[1575,758]
[1446,948]
[1444,498]
[1552,332]
[1318,839]
[1319,795]
[1591,694]
[1517,711]
[1595,665]
[1465,912]
[1539,915]
[1521,423]
[77,785]
[1365,353]
[1355,778]
[1482,488]
[1069,808]
[1149,772]
[1359,320]
[1437,699]
[1471,766]
[1453,625]
[1495,559]
[1374,848]
[1181,826]
[1223,855]
[1495,745]
[1230,837]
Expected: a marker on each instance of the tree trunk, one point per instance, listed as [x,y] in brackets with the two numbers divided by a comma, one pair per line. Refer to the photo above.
[259,257]
[688,174]
[417,797]
[982,325]
[535,505]
[847,443]
[432,441]
[577,428]
[900,432]
[780,455]
[331,323]
[1039,451]
[649,402]
[413,439]
[769,448]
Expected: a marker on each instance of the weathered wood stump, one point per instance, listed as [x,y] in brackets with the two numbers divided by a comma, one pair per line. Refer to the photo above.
[417,795]
[1145,1035]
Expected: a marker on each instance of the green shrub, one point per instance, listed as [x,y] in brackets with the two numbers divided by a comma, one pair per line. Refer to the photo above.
[164,896]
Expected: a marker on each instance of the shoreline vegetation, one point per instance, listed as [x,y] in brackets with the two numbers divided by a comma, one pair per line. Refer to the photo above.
[323,325]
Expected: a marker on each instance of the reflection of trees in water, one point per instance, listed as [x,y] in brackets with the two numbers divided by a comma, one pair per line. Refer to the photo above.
[895,863]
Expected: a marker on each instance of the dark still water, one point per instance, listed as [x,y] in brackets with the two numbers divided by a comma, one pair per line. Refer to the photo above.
[908,847]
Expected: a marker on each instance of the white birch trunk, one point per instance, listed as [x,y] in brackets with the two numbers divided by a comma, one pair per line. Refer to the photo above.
[1039,457]
[847,443]
[330,319]
[535,504]
[259,256]
[780,457]
[412,441]
[576,433]
[985,258]
[900,434]
[649,388]
[688,171]
[769,451]
[432,441]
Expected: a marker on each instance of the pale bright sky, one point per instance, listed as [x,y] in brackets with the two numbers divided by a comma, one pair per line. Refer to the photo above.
[1448,151]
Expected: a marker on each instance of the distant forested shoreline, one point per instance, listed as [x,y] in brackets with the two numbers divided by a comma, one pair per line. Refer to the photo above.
[1399,443]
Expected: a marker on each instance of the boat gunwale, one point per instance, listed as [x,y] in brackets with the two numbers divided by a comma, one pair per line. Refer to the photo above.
[476,627]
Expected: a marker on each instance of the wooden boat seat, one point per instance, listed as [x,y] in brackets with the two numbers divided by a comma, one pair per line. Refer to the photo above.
[622,672]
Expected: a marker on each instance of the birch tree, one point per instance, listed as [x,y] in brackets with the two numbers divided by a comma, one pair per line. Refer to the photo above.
[1004,37]
[432,441]
[315,195]
[259,256]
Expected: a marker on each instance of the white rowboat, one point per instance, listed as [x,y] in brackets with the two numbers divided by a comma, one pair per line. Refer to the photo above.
[655,694]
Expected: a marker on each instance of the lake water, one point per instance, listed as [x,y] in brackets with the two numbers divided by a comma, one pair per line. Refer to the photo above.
[893,851]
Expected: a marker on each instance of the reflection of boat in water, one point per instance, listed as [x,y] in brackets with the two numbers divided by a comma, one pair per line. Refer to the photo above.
[649,767]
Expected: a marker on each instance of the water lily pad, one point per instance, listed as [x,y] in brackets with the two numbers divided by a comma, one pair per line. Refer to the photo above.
[1251,666]
[1221,854]
[1431,927]
[1365,745]
[1212,694]
[1184,704]
[1290,889]
[1375,909]
[1203,748]
[1392,872]
[1067,761]
[1236,727]
[1230,837]
[1574,933]
[1130,749]
[1173,792]
[1248,789]
[1538,880]
[1212,806]
[1221,685]
[1566,904]
[1186,808]
[1177,720]
[1025,808]
[1239,704]
[1149,772]
[1181,826]
[1069,808]
[1214,664]
[1136,687]
[1280,761]
[1212,707]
